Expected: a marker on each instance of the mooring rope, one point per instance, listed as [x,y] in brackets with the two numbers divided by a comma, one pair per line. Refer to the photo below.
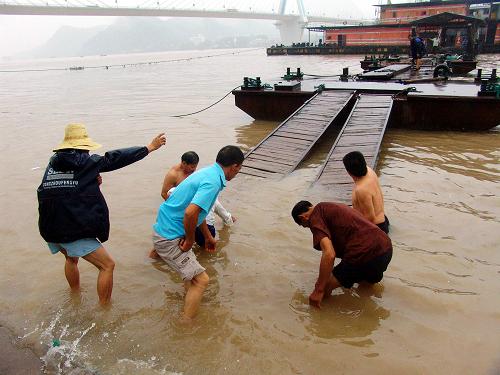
[210,106]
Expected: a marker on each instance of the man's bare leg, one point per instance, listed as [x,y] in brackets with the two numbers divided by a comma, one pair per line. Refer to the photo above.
[187,284]
[194,294]
[71,272]
[103,261]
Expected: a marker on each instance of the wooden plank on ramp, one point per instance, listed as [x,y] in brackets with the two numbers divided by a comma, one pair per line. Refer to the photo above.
[282,150]
[363,131]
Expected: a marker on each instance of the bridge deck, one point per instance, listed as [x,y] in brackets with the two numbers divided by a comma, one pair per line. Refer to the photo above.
[282,150]
[363,131]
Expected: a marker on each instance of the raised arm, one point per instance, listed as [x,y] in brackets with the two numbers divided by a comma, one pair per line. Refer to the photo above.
[325,270]
[120,158]
[157,142]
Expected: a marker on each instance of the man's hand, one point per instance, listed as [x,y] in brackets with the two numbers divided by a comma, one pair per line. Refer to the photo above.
[157,142]
[153,254]
[99,179]
[210,244]
[185,245]
[315,298]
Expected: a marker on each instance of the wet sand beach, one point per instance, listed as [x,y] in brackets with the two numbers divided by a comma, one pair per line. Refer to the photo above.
[436,311]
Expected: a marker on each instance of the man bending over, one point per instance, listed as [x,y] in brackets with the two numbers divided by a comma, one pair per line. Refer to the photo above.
[339,231]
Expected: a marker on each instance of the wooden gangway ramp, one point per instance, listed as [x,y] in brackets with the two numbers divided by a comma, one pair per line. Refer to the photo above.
[363,131]
[282,150]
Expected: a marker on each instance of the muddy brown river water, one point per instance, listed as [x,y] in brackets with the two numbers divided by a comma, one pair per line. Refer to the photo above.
[437,311]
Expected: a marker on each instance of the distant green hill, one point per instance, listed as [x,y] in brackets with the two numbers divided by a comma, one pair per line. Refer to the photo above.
[146,34]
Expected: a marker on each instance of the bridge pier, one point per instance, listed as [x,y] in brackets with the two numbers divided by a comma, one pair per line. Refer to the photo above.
[291,31]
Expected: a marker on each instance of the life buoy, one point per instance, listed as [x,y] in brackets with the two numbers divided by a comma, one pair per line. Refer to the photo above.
[442,70]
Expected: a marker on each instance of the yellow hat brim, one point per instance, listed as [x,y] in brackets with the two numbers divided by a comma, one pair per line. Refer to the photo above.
[87,145]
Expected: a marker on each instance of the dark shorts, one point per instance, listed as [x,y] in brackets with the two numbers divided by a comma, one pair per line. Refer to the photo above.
[385,225]
[198,235]
[372,271]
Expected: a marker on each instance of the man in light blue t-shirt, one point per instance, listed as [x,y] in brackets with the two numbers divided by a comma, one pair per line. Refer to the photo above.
[186,209]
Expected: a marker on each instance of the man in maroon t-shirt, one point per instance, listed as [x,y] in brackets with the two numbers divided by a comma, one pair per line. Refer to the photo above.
[340,231]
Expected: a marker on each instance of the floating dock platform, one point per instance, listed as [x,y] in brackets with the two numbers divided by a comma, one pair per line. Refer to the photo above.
[420,101]
[363,110]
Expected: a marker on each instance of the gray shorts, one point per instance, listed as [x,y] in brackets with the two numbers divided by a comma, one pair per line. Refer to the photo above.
[184,262]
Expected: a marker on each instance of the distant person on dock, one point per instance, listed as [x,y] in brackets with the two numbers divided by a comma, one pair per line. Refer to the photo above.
[74,217]
[435,44]
[184,210]
[340,232]
[417,50]
[367,197]
[177,174]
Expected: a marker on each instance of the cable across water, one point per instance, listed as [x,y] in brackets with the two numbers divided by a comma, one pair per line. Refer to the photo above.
[127,65]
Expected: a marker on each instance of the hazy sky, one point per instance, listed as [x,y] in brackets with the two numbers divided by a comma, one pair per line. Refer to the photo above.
[22,33]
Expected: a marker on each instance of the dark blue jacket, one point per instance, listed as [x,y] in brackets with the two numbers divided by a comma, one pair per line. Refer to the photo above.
[70,202]
[417,47]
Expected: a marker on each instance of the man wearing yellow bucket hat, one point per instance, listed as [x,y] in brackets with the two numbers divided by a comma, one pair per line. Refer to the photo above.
[74,217]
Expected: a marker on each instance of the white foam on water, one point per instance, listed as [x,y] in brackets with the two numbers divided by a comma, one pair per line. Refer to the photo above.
[28,334]
[65,357]
[126,366]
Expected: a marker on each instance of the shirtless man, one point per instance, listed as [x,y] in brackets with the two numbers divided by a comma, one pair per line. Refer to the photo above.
[176,174]
[367,195]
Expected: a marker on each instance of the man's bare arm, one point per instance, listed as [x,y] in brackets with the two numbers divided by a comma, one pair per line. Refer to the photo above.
[190,221]
[325,270]
[210,241]
[168,183]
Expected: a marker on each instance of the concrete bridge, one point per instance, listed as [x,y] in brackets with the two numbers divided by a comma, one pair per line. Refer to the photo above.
[290,25]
